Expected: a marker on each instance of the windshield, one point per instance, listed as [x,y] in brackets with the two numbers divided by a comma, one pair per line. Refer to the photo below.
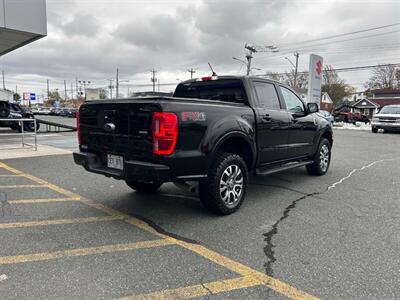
[395,110]
[229,90]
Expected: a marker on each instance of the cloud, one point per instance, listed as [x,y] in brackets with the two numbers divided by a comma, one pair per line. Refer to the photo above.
[158,33]
[90,39]
[81,24]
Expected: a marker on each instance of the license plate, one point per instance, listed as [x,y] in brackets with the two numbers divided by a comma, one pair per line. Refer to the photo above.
[115,162]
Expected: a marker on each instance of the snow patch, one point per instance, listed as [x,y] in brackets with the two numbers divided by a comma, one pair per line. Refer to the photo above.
[350,126]
[3,277]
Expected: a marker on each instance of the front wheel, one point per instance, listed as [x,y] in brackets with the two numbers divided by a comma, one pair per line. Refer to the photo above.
[374,130]
[322,159]
[144,187]
[225,188]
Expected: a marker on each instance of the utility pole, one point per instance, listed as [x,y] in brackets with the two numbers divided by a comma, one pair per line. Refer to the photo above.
[253,49]
[76,87]
[65,90]
[191,71]
[4,82]
[295,66]
[72,91]
[249,57]
[117,84]
[296,54]
[153,79]
[111,87]
[48,90]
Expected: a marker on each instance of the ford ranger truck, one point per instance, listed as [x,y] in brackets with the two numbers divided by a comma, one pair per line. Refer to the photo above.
[214,131]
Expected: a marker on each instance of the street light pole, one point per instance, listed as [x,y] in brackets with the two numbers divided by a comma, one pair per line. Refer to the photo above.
[296,54]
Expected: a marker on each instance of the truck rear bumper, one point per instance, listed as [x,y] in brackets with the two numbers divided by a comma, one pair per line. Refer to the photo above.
[133,170]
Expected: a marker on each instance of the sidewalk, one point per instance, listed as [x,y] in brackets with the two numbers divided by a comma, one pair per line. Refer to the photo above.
[9,151]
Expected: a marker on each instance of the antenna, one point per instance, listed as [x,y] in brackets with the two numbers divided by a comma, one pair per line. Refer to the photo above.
[213,73]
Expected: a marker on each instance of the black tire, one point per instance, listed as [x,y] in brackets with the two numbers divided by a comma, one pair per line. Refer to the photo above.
[322,159]
[4,110]
[374,129]
[15,127]
[30,126]
[232,170]
[144,187]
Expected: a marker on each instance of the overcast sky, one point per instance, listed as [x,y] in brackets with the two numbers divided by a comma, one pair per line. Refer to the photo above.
[89,39]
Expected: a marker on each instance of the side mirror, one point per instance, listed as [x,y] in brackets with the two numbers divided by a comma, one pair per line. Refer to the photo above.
[312,107]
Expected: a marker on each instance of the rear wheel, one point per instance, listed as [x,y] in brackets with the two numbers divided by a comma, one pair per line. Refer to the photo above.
[4,110]
[322,159]
[144,187]
[30,126]
[225,188]
[374,130]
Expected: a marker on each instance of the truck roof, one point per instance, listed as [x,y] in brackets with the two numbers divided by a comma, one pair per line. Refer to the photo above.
[241,77]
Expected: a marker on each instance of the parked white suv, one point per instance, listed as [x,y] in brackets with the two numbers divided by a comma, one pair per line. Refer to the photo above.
[388,119]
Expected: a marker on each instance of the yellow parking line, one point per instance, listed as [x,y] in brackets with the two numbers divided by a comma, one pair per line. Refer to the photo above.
[275,284]
[258,277]
[9,175]
[83,251]
[22,186]
[45,200]
[205,289]
[58,222]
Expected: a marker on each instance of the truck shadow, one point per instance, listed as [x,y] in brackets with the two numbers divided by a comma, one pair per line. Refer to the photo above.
[173,202]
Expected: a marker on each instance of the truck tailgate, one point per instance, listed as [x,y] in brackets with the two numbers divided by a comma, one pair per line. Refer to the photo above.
[117,128]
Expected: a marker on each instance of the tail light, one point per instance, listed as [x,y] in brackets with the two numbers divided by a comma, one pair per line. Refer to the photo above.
[164,132]
[78,127]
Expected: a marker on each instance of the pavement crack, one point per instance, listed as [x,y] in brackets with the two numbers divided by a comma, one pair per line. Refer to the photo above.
[161,230]
[269,248]
[280,187]
[352,172]
[209,292]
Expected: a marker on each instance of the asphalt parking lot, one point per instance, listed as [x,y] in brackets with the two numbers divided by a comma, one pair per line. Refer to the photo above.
[66,233]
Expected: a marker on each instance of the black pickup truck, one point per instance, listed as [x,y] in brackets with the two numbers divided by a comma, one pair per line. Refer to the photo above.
[214,130]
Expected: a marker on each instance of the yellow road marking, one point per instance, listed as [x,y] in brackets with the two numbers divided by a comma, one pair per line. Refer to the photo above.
[46,200]
[9,175]
[208,288]
[58,222]
[83,251]
[259,277]
[22,186]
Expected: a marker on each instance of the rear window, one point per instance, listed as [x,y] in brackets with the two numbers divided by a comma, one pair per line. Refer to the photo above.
[228,90]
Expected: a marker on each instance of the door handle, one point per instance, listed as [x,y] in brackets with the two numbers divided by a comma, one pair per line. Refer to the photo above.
[267,117]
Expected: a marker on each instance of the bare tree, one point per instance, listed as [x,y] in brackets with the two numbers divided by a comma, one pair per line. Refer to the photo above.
[274,76]
[336,87]
[288,78]
[385,76]
[301,79]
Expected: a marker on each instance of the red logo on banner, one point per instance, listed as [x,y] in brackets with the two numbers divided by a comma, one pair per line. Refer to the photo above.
[319,67]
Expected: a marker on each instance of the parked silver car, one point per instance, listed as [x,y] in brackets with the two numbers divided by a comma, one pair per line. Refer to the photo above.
[388,119]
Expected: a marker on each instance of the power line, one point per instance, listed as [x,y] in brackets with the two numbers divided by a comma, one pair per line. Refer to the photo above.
[340,35]
[344,69]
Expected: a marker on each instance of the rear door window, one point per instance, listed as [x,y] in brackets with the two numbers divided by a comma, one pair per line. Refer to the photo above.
[267,95]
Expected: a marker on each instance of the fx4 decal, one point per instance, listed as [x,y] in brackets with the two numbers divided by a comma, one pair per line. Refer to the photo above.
[193,116]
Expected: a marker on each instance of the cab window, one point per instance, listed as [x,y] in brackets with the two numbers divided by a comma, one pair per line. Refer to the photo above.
[293,103]
[267,95]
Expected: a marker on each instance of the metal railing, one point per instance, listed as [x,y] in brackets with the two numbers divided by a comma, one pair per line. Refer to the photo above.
[23,133]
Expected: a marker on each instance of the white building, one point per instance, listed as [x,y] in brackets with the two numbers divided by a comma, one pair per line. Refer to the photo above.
[21,22]
[6,95]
